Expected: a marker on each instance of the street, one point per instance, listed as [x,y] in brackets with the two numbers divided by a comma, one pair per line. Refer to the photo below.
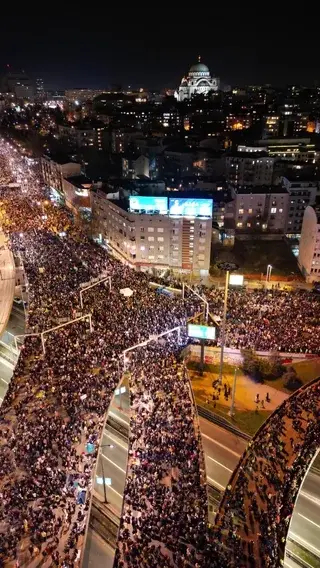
[97,552]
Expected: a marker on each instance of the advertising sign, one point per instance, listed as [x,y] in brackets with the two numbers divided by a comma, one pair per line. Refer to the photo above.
[188,207]
[148,204]
[201,331]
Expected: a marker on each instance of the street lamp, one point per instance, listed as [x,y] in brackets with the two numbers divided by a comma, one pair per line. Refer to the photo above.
[269,269]
[227,267]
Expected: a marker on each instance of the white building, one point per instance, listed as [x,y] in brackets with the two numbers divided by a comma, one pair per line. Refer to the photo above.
[309,249]
[302,194]
[261,208]
[249,167]
[146,241]
[198,82]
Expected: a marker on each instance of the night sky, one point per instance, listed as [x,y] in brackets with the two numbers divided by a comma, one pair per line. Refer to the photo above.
[143,49]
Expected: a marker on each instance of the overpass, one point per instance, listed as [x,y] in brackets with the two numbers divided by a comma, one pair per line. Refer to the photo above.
[254,516]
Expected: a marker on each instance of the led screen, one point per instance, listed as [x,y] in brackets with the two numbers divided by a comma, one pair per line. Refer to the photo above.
[141,203]
[236,279]
[188,207]
[201,331]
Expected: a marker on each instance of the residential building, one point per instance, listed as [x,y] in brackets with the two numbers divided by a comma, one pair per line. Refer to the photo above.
[135,166]
[249,168]
[85,134]
[309,248]
[19,84]
[80,96]
[76,191]
[57,167]
[148,241]
[303,192]
[293,149]
[261,208]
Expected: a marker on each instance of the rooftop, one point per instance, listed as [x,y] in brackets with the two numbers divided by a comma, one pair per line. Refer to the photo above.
[260,189]
[59,158]
[79,181]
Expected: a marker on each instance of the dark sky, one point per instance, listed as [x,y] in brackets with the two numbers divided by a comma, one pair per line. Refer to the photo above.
[143,48]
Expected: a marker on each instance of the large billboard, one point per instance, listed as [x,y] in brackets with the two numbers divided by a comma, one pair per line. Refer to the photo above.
[148,204]
[188,207]
[201,331]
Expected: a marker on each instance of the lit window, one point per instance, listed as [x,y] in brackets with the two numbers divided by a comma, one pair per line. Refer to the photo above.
[239,224]
[150,238]
[250,211]
[150,229]
[240,211]
[273,209]
[280,210]
[160,239]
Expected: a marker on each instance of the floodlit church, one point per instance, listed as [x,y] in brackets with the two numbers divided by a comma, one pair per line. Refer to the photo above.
[198,82]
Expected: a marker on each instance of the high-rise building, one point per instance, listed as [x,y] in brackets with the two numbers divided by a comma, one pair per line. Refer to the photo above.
[40,94]
[150,233]
[303,192]
[19,84]
[249,166]
[261,208]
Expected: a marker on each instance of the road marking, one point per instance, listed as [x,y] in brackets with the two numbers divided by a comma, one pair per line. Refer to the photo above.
[126,422]
[113,463]
[6,363]
[1,379]
[221,445]
[309,521]
[300,540]
[109,487]
[221,464]
[310,497]
[116,440]
[215,483]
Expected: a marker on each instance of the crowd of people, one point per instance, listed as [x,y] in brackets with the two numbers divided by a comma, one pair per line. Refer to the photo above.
[257,506]
[164,519]
[56,402]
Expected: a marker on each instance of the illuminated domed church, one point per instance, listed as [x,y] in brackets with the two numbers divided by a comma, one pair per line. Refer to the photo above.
[197,82]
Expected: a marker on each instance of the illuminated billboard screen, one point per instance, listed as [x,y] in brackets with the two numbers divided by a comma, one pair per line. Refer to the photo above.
[201,331]
[236,279]
[148,204]
[188,207]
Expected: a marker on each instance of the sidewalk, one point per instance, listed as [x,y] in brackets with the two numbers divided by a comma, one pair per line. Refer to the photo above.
[7,282]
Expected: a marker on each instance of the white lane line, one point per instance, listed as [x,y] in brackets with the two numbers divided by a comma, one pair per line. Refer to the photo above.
[126,422]
[221,445]
[1,379]
[113,463]
[6,363]
[221,464]
[309,496]
[215,483]
[115,440]
[304,542]
[109,487]
[309,521]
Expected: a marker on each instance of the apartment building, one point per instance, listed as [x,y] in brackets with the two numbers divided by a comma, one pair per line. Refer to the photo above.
[57,167]
[302,193]
[153,239]
[309,248]
[261,208]
[246,167]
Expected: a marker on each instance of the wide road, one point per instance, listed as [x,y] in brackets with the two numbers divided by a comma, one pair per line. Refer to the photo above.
[6,372]
[98,554]
[112,466]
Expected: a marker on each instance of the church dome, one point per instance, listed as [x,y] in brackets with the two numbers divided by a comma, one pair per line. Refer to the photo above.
[199,68]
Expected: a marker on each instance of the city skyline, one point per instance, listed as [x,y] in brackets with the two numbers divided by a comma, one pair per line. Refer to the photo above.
[77,54]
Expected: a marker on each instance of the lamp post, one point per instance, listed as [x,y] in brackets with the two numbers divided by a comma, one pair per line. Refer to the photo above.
[206,303]
[227,267]
[231,412]
[268,276]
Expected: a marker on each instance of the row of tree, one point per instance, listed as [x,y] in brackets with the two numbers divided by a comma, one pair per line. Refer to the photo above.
[261,369]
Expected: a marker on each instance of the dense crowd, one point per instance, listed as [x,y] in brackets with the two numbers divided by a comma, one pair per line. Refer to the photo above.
[164,519]
[56,403]
[255,513]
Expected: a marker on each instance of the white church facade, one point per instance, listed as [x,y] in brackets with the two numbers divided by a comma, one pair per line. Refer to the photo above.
[198,82]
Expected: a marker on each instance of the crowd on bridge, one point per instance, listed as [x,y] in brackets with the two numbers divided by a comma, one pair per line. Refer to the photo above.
[56,403]
[258,504]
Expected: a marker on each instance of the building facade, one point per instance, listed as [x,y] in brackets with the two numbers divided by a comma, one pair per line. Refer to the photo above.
[152,241]
[249,167]
[261,209]
[198,82]
[55,169]
[302,194]
[309,249]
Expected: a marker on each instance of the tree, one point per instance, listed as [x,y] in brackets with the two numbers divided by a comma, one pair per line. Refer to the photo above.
[291,380]
[253,365]
[276,367]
